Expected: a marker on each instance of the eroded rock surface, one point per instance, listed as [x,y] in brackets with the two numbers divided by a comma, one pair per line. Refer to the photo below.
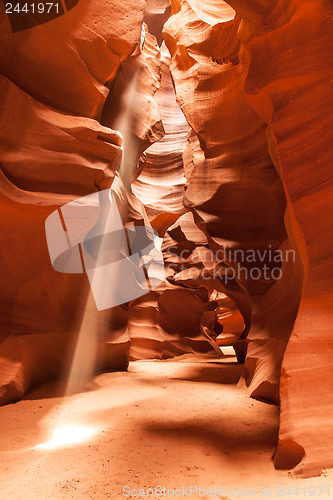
[53,149]
[233,188]
[265,66]
[295,89]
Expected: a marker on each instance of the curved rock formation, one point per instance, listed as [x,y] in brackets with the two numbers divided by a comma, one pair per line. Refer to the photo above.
[131,107]
[66,63]
[293,97]
[163,160]
[249,98]
[160,187]
[53,149]
[233,188]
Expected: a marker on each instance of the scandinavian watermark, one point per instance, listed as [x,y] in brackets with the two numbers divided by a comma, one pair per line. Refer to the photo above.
[228,263]
[124,262]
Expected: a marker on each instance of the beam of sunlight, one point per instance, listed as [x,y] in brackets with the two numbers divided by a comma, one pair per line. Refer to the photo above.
[105,252]
[86,351]
[123,124]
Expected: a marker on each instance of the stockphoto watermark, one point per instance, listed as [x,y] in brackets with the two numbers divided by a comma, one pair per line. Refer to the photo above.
[184,491]
[196,491]
[229,263]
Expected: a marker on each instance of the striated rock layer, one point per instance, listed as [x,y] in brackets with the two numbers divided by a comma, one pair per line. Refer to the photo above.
[293,95]
[160,185]
[167,321]
[74,73]
[66,63]
[233,188]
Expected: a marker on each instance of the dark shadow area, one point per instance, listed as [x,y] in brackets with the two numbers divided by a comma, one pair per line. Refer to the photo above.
[55,389]
[226,439]
[216,371]
[226,373]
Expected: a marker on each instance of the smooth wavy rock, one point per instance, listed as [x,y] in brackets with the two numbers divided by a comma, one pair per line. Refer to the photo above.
[286,83]
[131,107]
[289,86]
[239,189]
[192,265]
[52,150]
[40,328]
[157,13]
[233,188]
[66,63]
[160,185]
[166,322]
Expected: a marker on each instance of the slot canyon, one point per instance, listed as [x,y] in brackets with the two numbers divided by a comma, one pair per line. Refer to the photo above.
[201,131]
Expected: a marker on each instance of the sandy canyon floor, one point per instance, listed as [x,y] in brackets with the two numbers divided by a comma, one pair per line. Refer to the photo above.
[179,425]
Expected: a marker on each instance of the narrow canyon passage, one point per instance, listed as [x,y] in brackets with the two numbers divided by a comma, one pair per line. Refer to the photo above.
[166,196]
[172,424]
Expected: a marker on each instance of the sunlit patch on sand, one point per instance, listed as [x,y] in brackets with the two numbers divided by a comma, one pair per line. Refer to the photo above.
[67,435]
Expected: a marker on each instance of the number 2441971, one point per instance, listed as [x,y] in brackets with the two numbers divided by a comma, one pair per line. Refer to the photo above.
[305,491]
[32,8]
